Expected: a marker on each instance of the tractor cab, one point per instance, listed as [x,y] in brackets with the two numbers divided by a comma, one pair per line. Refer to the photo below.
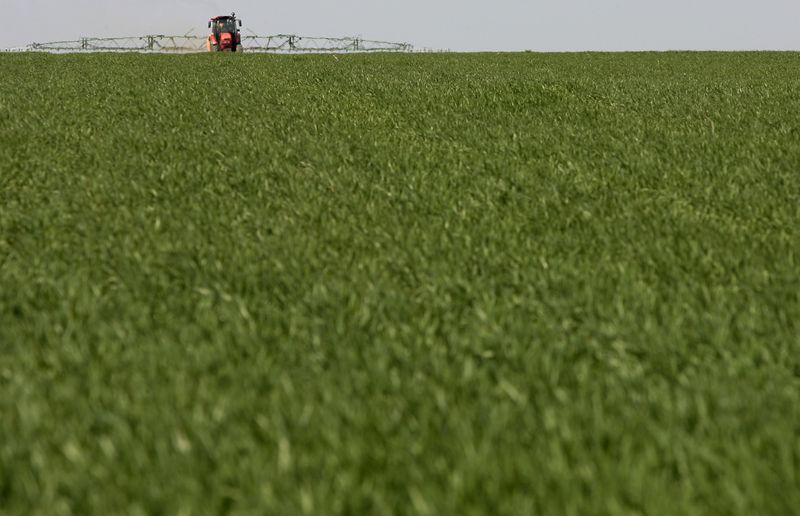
[224,35]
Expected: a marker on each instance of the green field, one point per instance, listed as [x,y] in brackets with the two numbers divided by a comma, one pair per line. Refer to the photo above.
[400,284]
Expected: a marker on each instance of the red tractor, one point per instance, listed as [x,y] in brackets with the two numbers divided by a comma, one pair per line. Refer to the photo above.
[224,35]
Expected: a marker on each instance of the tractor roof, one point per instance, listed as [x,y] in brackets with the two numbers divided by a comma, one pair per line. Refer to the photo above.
[216,18]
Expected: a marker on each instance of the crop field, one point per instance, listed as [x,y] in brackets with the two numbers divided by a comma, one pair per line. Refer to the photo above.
[400,284]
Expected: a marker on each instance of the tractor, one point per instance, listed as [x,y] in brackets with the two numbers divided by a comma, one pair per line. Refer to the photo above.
[224,35]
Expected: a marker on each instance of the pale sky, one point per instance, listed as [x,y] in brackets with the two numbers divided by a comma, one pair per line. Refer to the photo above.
[460,25]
